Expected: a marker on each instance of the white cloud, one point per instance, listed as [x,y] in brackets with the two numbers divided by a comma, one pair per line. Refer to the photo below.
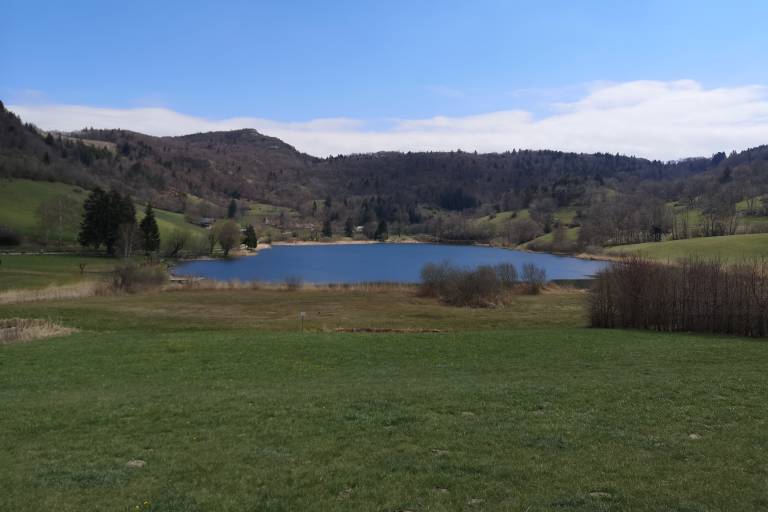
[665,120]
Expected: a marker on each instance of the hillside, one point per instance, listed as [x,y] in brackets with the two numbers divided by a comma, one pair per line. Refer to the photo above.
[249,165]
[518,196]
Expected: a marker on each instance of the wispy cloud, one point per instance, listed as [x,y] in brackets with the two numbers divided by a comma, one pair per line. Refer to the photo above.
[654,119]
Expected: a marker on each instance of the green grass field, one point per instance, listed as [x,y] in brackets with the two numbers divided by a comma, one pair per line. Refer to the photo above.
[38,271]
[500,218]
[19,200]
[732,248]
[517,408]
[168,222]
[571,234]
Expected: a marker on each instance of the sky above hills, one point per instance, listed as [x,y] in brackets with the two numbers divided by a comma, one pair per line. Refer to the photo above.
[656,79]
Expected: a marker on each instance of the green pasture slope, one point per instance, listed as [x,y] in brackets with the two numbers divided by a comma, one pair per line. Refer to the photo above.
[517,408]
[167,222]
[19,199]
[731,248]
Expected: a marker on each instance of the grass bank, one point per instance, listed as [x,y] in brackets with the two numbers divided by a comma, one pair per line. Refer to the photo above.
[229,408]
[732,247]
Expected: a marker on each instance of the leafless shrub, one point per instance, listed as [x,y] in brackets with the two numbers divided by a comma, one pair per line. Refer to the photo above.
[534,278]
[519,231]
[131,277]
[19,330]
[175,242]
[694,295]
[293,283]
[483,286]
[507,274]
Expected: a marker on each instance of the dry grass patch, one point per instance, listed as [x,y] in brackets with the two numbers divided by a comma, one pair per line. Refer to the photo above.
[73,291]
[20,330]
[288,285]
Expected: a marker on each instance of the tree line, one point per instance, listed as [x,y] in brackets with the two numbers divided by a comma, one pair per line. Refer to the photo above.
[693,295]
[109,221]
[109,224]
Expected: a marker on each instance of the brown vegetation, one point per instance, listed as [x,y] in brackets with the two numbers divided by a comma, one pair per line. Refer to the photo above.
[74,291]
[694,295]
[131,277]
[19,330]
[484,286]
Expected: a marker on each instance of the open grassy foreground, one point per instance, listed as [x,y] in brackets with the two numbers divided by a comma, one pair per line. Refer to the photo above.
[733,248]
[230,408]
[38,271]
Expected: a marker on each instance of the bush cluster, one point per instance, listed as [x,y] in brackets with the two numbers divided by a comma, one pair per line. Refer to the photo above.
[483,286]
[693,295]
[131,277]
[8,237]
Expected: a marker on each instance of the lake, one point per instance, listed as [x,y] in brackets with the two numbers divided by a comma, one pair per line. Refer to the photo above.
[338,263]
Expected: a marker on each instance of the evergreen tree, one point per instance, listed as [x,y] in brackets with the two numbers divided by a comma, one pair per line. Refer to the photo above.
[93,226]
[327,229]
[382,232]
[150,234]
[103,215]
[120,211]
[232,210]
[349,227]
[250,239]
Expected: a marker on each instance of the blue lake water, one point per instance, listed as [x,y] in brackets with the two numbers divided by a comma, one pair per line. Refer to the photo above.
[373,263]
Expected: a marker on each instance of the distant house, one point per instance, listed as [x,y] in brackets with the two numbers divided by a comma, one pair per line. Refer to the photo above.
[359,229]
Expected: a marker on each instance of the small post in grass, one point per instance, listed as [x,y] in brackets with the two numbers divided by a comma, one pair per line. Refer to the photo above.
[301,321]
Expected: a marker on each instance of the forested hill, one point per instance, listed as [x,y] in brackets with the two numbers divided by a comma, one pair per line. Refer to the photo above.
[249,165]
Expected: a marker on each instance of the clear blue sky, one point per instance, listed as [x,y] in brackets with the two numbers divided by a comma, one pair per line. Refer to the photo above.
[292,60]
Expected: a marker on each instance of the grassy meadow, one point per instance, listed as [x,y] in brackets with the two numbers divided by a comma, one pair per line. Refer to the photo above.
[732,248]
[19,200]
[514,408]
[41,270]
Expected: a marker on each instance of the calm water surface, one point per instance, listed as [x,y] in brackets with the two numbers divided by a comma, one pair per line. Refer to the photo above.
[373,263]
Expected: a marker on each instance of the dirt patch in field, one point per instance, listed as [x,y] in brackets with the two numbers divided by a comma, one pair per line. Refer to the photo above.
[21,330]
[386,329]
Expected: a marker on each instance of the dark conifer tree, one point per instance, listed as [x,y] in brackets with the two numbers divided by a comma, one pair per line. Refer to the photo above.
[93,226]
[349,227]
[103,215]
[327,228]
[150,234]
[382,232]
[232,210]
[250,239]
